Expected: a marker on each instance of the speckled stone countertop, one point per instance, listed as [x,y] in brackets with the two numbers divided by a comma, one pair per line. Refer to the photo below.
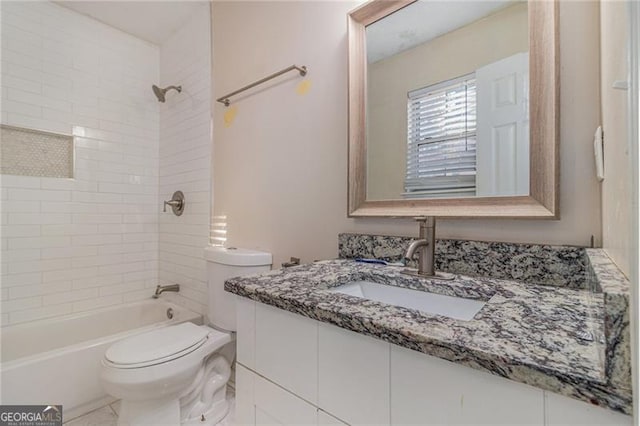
[545,336]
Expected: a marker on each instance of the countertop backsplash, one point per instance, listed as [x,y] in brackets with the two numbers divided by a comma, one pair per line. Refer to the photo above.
[561,266]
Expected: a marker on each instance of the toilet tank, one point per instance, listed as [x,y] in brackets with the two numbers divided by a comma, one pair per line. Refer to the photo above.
[224,263]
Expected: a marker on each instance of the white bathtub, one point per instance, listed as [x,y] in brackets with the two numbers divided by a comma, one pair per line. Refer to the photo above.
[57,361]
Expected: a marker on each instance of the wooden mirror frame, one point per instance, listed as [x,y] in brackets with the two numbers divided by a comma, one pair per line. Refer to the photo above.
[542,203]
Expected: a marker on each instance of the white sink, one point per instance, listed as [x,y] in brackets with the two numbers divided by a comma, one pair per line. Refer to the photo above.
[448,306]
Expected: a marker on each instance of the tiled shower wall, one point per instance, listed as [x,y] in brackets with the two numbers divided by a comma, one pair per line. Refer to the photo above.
[75,245]
[185,158]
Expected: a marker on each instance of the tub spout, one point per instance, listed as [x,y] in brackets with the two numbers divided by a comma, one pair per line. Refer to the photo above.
[162,288]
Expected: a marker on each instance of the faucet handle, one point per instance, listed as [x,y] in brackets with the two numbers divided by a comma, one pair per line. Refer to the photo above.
[176,202]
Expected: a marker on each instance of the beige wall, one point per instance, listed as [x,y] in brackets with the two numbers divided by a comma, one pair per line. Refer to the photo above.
[616,187]
[280,167]
[451,55]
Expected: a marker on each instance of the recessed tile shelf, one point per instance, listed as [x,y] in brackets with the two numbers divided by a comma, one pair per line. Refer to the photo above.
[27,152]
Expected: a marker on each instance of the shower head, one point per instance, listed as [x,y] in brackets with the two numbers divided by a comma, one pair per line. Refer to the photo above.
[161,92]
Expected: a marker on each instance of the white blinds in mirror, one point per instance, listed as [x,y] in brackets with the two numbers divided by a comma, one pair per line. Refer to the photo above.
[441,143]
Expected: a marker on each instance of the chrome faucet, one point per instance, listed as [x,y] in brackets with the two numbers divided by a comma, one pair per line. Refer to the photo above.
[162,288]
[426,246]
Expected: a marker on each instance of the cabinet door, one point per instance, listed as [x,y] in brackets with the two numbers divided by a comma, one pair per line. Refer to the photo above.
[287,350]
[353,376]
[245,402]
[275,405]
[429,390]
[246,331]
[563,411]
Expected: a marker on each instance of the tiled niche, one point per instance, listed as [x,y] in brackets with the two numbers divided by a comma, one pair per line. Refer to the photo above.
[27,152]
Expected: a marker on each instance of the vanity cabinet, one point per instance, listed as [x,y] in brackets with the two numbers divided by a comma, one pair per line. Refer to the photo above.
[286,350]
[353,376]
[429,390]
[292,370]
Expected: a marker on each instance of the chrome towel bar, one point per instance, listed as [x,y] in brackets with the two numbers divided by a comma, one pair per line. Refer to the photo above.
[225,99]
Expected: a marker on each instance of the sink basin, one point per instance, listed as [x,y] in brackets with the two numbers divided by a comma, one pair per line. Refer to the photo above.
[448,306]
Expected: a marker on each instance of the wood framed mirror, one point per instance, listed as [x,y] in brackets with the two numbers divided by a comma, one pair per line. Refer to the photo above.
[404,158]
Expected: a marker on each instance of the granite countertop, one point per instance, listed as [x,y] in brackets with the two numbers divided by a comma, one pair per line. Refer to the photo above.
[545,336]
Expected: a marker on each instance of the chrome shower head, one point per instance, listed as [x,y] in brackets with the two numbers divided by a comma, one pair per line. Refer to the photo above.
[160,93]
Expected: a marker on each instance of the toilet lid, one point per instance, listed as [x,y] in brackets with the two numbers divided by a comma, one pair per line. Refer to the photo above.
[158,344]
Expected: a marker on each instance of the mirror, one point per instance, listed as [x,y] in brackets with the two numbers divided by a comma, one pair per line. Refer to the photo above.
[442,94]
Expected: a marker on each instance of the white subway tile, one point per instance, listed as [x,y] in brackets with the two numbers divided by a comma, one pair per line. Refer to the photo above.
[133,296]
[20,304]
[20,120]
[121,288]
[53,80]
[139,218]
[140,238]
[39,195]
[69,184]
[38,218]
[123,268]
[69,252]
[22,108]
[96,240]
[43,266]
[15,69]
[97,218]
[69,229]
[39,242]
[83,262]
[95,197]
[37,99]
[15,206]
[143,275]
[38,289]
[59,207]
[20,255]
[98,281]
[21,182]
[39,313]
[96,303]
[69,274]
[8,231]
[28,278]
[69,296]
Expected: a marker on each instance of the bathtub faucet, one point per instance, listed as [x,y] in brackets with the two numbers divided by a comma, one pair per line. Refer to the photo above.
[162,288]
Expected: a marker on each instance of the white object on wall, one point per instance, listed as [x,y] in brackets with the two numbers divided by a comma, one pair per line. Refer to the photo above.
[598,150]
[502,145]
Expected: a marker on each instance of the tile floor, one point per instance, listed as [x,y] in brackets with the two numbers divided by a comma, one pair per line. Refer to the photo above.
[108,415]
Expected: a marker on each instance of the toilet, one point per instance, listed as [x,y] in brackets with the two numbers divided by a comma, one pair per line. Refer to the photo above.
[178,375]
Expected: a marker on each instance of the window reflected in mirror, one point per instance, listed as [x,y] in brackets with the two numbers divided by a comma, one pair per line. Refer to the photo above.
[448,101]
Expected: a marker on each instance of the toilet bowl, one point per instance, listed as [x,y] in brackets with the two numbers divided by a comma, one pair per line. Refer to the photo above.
[177,375]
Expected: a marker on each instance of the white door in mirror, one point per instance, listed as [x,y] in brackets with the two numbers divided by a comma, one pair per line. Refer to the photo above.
[448,306]
[502,145]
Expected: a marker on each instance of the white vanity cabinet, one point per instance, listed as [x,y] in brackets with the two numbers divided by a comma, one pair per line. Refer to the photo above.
[292,370]
[429,390]
[353,376]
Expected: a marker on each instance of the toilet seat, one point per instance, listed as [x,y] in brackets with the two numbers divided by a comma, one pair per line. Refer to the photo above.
[161,346]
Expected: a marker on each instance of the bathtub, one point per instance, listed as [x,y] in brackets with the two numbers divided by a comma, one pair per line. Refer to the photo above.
[57,361]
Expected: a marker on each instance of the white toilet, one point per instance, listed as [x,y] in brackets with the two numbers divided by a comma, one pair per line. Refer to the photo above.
[178,374]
